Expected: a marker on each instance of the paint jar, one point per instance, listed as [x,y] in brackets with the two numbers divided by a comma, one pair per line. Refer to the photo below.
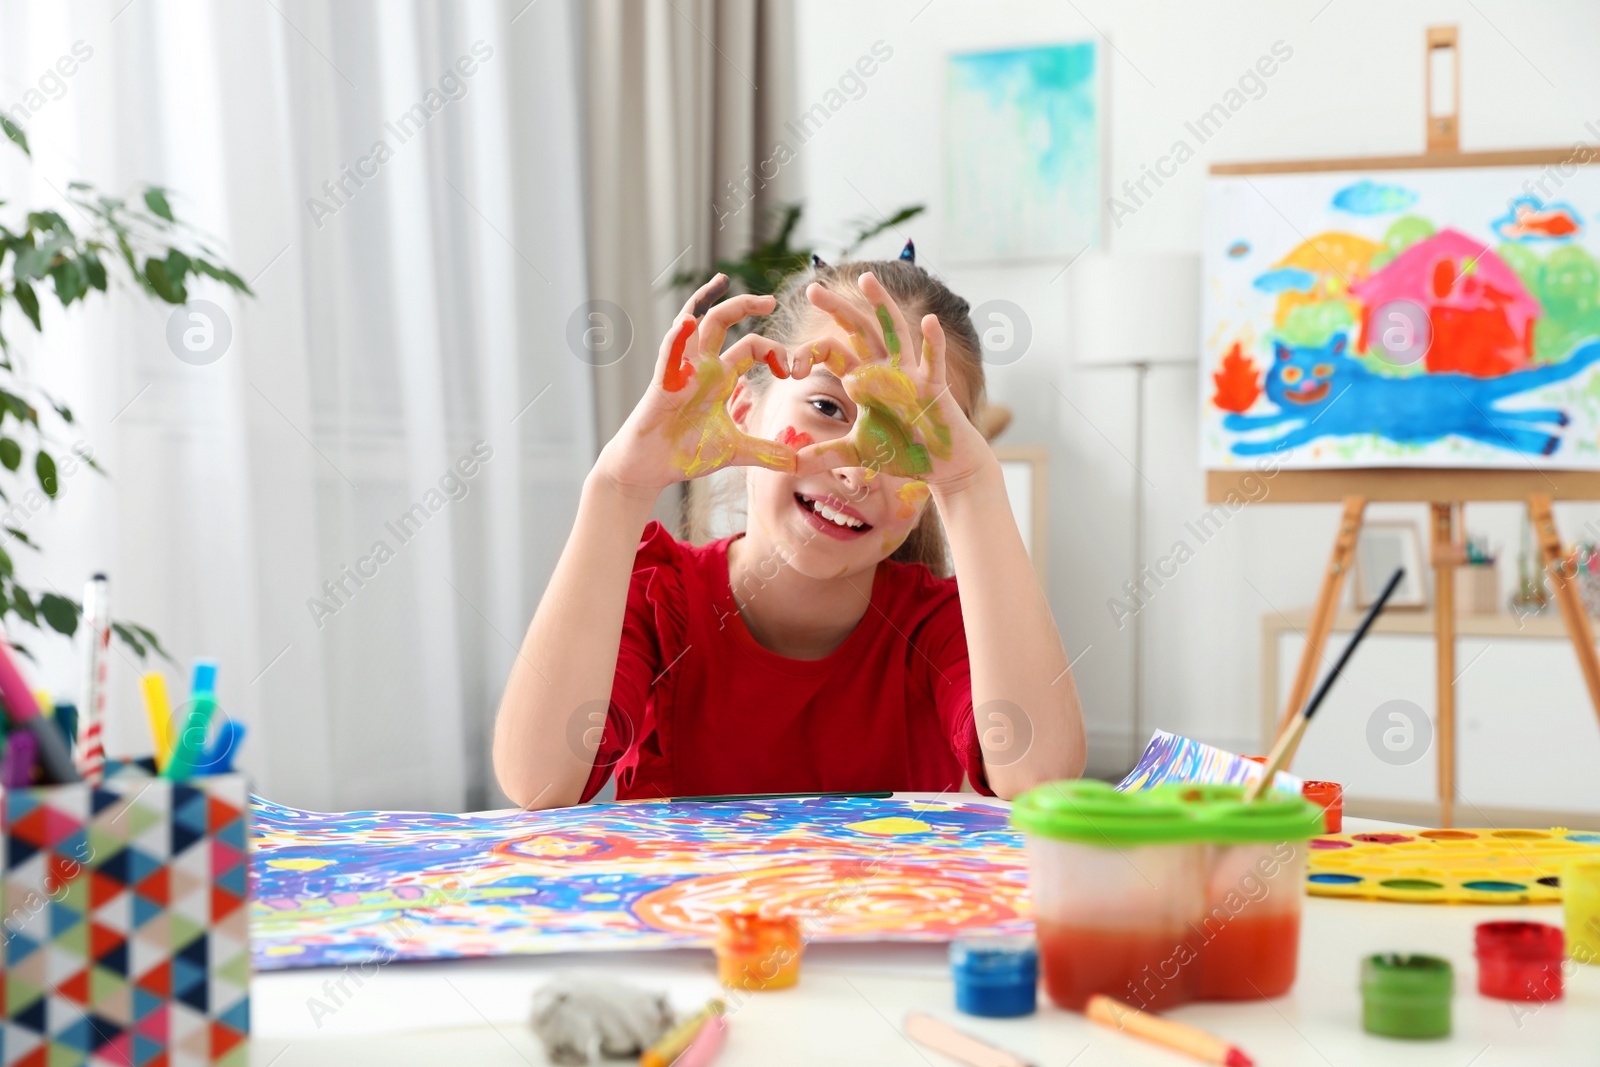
[1329,796]
[997,977]
[757,952]
[1520,960]
[1174,893]
[1406,996]
[1580,895]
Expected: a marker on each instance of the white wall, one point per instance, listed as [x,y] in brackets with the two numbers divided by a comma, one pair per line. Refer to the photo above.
[1352,87]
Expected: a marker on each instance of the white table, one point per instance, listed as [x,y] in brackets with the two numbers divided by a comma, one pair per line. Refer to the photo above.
[852,999]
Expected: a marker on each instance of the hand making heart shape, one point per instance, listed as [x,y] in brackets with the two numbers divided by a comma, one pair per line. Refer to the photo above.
[908,422]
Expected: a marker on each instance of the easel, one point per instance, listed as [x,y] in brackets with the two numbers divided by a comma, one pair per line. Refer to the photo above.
[1444,490]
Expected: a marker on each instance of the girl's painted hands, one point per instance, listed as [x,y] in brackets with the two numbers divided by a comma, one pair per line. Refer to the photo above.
[681,427]
[908,422]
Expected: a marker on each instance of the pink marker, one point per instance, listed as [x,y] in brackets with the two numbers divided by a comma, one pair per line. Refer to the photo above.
[706,1044]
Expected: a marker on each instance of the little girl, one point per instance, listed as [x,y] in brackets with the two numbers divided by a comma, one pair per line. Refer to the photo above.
[823,649]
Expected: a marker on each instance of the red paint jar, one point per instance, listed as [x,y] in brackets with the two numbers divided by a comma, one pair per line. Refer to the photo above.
[1520,960]
[1329,796]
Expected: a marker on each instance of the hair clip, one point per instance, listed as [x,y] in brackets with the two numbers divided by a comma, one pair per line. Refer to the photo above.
[816,262]
[909,252]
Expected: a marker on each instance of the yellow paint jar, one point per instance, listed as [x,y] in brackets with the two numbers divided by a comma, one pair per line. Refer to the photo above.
[758,952]
[1580,892]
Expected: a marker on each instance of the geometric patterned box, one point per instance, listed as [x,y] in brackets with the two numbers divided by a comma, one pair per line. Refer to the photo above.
[125,912]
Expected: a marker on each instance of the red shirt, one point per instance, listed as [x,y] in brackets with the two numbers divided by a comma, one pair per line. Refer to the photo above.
[700,708]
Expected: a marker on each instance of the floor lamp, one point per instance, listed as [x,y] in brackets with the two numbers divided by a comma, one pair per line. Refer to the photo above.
[1135,311]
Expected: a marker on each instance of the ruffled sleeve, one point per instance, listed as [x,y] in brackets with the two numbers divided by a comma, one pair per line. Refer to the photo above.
[653,628]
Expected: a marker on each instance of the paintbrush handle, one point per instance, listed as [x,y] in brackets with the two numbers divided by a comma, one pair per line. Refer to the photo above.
[942,1037]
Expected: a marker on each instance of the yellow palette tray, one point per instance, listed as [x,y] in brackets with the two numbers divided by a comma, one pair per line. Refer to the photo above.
[1457,866]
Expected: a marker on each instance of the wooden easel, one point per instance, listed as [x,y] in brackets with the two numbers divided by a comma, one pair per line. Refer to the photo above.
[1445,490]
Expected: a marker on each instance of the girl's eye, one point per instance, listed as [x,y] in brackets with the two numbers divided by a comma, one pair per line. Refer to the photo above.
[827,407]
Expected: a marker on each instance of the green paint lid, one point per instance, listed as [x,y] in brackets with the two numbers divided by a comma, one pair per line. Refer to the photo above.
[1092,812]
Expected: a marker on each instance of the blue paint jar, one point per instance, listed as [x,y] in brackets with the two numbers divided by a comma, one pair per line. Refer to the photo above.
[996,977]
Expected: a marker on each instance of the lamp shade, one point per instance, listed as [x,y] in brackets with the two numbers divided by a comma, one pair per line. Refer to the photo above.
[1127,309]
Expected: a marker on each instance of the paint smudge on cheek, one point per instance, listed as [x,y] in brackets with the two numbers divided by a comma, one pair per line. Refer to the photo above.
[796,439]
[912,495]
[678,370]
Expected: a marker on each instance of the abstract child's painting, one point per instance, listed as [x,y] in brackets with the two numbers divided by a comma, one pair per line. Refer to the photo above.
[1171,758]
[378,886]
[1410,318]
[1022,152]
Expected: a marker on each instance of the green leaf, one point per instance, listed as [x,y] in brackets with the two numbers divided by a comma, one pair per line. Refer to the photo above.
[166,287]
[22,605]
[69,280]
[28,301]
[155,198]
[222,274]
[10,453]
[45,468]
[95,270]
[60,613]
[177,265]
[20,536]
[5,563]
[14,134]
[903,215]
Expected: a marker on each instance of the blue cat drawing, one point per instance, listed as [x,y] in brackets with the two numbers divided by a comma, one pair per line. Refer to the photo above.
[1322,392]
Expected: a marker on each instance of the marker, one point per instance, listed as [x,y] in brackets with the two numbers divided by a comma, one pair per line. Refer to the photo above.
[219,757]
[23,711]
[667,1050]
[89,753]
[159,711]
[16,766]
[189,746]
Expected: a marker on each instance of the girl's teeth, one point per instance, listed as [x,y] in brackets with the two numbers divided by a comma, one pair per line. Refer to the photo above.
[835,517]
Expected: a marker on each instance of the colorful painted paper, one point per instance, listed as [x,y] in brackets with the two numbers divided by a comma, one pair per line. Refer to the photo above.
[1022,152]
[1171,758]
[378,886]
[1445,317]
[125,923]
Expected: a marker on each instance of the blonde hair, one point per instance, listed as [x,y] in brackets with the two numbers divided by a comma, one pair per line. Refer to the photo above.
[918,293]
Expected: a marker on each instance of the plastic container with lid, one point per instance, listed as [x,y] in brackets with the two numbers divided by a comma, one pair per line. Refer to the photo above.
[1520,960]
[1175,893]
[1406,996]
[1329,796]
[997,977]
[758,952]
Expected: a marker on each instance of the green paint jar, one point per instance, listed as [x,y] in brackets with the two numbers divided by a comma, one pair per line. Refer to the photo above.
[1406,996]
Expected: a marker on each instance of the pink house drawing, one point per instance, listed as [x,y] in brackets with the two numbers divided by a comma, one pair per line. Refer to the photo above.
[1480,314]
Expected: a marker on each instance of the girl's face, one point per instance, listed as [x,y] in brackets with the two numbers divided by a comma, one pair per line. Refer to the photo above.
[838,522]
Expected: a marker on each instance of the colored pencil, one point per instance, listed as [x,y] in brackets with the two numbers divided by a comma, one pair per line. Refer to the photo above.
[942,1037]
[1289,739]
[707,1043]
[674,1041]
[1174,1035]
[89,753]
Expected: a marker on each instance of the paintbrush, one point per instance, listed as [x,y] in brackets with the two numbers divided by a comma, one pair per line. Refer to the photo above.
[942,1037]
[1289,738]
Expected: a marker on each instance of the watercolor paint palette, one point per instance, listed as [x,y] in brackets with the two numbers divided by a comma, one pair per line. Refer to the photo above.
[1455,866]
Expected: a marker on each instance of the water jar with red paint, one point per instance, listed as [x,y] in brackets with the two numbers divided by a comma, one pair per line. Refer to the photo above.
[1520,960]
[1170,894]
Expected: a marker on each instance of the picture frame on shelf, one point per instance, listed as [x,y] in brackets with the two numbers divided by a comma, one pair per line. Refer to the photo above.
[1383,546]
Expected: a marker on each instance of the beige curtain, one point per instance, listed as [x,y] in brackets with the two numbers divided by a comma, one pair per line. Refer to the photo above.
[687,101]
